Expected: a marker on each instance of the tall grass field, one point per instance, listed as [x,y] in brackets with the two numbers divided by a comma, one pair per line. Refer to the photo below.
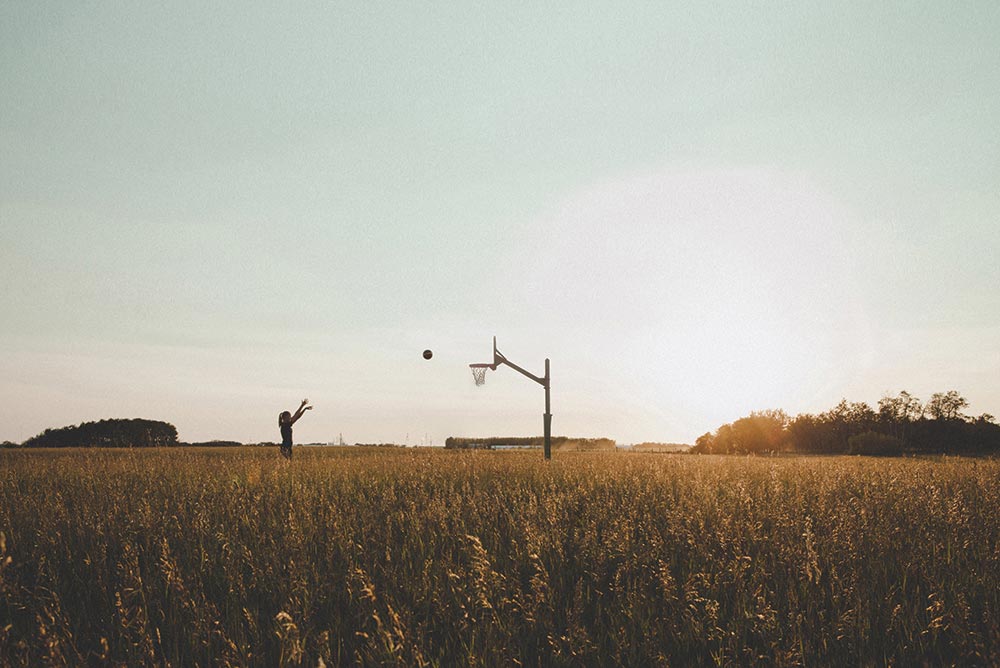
[233,557]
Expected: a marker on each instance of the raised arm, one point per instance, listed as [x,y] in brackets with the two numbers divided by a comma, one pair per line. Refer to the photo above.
[303,407]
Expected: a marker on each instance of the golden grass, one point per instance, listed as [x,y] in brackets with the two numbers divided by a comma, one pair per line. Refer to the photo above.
[403,557]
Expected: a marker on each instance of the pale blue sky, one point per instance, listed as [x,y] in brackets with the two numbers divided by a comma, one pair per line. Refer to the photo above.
[211,210]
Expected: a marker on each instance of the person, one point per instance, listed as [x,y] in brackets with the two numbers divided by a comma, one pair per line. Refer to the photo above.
[285,422]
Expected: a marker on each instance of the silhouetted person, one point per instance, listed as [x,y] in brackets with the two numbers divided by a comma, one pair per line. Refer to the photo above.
[285,422]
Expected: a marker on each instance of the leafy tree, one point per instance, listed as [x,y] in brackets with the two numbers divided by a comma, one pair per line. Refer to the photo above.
[902,408]
[760,432]
[704,444]
[897,415]
[946,406]
[812,434]
[844,420]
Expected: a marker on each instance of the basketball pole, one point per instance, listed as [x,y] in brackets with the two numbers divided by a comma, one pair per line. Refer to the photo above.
[498,359]
[548,415]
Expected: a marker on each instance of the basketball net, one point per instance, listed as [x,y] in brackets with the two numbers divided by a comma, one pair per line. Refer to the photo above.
[479,374]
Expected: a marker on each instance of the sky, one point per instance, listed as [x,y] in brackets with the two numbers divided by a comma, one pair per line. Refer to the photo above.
[209,211]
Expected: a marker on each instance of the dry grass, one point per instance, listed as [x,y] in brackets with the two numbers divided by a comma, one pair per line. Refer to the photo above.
[384,557]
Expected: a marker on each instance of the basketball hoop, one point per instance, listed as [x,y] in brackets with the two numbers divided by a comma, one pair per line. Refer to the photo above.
[479,373]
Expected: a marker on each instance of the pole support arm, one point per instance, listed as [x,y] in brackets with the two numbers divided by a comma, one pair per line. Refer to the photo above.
[500,359]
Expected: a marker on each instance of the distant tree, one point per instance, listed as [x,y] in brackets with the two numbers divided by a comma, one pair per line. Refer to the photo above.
[844,420]
[724,442]
[897,415]
[115,433]
[656,446]
[703,445]
[902,408]
[985,434]
[946,406]
[812,434]
[760,432]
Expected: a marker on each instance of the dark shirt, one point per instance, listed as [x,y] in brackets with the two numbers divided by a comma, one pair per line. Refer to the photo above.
[286,434]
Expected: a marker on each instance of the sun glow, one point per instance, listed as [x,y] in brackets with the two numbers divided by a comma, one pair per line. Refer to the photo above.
[726,291]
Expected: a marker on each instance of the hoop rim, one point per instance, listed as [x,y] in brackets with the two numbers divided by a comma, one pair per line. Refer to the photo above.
[482,365]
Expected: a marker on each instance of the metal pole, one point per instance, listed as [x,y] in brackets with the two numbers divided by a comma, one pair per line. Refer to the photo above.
[548,415]
[498,359]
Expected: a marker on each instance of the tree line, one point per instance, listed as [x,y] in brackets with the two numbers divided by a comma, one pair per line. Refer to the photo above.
[558,442]
[900,424]
[112,433]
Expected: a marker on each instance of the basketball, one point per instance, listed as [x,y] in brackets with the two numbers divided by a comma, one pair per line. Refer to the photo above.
[428,354]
